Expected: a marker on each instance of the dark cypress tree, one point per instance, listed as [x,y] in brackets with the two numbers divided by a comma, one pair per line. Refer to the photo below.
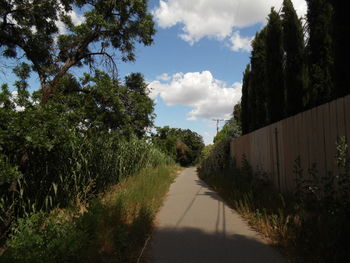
[294,46]
[320,52]
[258,78]
[341,45]
[245,100]
[274,68]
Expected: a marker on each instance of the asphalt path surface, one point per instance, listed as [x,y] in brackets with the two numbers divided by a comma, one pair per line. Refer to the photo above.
[196,226]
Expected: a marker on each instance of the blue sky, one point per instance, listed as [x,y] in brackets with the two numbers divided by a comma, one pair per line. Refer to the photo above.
[201,49]
[194,68]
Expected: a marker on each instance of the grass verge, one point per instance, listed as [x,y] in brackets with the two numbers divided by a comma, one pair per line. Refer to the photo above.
[309,225]
[301,234]
[111,228]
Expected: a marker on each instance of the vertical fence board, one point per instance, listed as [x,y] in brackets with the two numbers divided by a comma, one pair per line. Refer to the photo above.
[347,119]
[310,135]
[321,139]
[333,137]
[340,117]
[281,153]
[286,150]
[315,142]
[304,155]
[293,145]
[298,144]
[327,132]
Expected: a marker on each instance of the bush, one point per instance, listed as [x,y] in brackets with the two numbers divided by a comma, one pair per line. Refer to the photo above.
[218,159]
[47,161]
[43,237]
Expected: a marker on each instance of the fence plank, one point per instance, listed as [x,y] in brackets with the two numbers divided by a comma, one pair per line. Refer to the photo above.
[311,135]
[333,137]
[281,153]
[321,139]
[340,117]
[347,118]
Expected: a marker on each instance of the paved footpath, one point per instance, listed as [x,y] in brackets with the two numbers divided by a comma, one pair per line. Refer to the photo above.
[196,226]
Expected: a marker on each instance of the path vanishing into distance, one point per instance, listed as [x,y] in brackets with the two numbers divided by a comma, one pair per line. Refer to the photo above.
[195,225]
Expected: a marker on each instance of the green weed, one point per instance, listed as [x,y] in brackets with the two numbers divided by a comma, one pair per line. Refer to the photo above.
[112,228]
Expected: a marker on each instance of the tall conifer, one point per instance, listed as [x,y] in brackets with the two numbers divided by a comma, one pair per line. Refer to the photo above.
[245,100]
[320,52]
[274,68]
[295,74]
[258,77]
[341,45]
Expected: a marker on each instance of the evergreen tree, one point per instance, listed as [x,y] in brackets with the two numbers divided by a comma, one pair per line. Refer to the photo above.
[274,68]
[320,52]
[295,74]
[245,100]
[341,45]
[258,78]
[252,105]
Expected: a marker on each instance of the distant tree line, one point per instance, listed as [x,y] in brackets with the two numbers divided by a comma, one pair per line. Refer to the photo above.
[183,145]
[296,65]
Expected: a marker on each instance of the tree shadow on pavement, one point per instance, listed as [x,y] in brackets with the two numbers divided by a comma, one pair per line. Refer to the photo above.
[189,245]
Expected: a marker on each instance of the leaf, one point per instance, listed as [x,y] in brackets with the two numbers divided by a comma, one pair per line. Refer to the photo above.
[54,188]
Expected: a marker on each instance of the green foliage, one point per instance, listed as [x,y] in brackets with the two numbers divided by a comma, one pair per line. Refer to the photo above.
[231,129]
[101,103]
[320,52]
[237,111]
[341,30]
[184,146]
[44,237]
[258,116]
[245,113]
[31,27]
[324,206]
[217,159]
[274,68]
[295,70]
[311,226]
[52,154]
[114,227]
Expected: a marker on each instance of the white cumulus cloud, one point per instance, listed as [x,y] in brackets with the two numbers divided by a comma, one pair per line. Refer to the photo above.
[241,43]
[208,18]
[207,96]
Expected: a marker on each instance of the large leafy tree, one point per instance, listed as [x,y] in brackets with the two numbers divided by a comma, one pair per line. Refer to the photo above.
[274,68]
[102,103]
[184,145]
[320,52]
[108,29]
[294,46]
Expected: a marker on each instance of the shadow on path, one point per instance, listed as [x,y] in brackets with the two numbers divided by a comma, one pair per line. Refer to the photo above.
[189,245]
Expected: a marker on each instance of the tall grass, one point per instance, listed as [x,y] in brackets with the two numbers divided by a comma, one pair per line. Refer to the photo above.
[310,225]
[76,168]
[112,228]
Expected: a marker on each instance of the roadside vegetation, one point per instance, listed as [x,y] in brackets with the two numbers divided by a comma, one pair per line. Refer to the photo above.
[308,225]
[81,174]
[112,227]
[183,145]
[296,63]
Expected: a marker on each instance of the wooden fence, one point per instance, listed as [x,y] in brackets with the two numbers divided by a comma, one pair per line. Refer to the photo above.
[311,135]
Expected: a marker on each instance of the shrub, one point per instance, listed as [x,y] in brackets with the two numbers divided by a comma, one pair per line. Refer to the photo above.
[43,237]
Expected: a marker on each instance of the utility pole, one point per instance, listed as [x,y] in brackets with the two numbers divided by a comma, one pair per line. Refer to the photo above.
[217,124]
